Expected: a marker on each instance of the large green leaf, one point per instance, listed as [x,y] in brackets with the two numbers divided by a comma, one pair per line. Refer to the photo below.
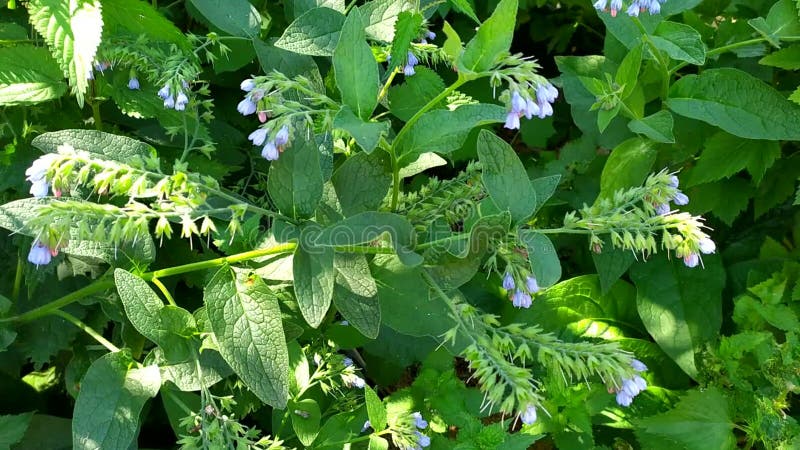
[29,74]
[246,321]
[368,226]
[362,182]
[628,166]
[106,415]
[288,63]
[415,92]
[493,39]
[296,8]
[680,307]
[313,281]
[505,178]
[117,16]
[295,179]
[355,67]
[356,294]
[72,31]
[366,134]
[738,103]
[657,127]
[315,33]
[235,17]
[681,42]
[380,17]
[98,143]
[725,155]
[542,256]
[12,429]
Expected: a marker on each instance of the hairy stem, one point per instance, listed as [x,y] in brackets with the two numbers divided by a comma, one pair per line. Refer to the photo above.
[87,329]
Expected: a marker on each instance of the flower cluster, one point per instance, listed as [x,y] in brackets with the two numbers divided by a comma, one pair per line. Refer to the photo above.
[406,434]
[273,147]
[636,6]
[349,378]
[631,387]
[521,297]
[178,101]
[529,103]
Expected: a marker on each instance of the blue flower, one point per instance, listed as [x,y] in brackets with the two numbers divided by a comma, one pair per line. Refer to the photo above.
[248,85]
[101,66]
[258,137]
[508,281]
[512,121]
[691,260]
[680,199]
[180,101]
[616,5]
[707,246]
[164,92]
[40,189]
[133,84]
[355,381]
[39,254]
[367,424]
[638,365]
[624,399]
[655,6]
[674,181]
[521,299]
[546,94]
[529,416]
[169,102]
[422,440]
[633,386]
[531,109]
[532,285]
[419,422]
[282,136]
[518,104]
[600,5]
[270,151]
[634,9]
[662,209]
[37,175]
[411,61]
[431,35]
[246,107]
[347,362]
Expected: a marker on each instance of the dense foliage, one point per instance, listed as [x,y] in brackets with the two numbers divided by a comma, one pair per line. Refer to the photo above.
[400,224]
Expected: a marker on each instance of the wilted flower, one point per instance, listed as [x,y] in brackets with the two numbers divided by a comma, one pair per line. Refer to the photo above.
[39,254]
[528,417]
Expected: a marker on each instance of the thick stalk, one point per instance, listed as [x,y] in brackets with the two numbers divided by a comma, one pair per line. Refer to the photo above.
[87,329]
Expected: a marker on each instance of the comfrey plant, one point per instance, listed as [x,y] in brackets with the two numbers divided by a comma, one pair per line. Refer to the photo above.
[332,247]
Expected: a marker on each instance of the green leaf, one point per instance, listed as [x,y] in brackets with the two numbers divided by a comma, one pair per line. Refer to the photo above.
[415,92]
[781,22]
[377,443]
[185,376]
[406,30]
[380,16]
[657,127]
[12,429]
[545,187]
[305,420]
[235,17]
[355,67]
[726,199]
[628,166]
[725,155]
[72,31]
[246,321]
[423,163]
[315,33]
[289,63]
[376,410]
[356,294]
[680,307]
[452,45]
[366,134]
[149,22]
[313,282]
[362,182]
[98,143]
[611,264]
[28,75]
[464,7]
[681,42]
[493,39]
[738,103]
[701,420]
[368,226]
[628,71]
[112,396]
[296,8]
[505,178]
[443,131]
[295,179]
[542,256]
[786,58]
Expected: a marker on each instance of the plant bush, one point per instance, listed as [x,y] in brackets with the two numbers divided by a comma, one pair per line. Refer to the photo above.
[400,224]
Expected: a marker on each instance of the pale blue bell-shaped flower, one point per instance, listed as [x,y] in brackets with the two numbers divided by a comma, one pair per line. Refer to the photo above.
[616,5]
[411,61]
[691,260]
[423,440]
[532,284]
[347,361]
[39,254]
[270,151]
[600,5]
[528,417]
[246,107]
[508,281]
[169,102]
[531,108]
[655,7]
[366,426]
[133,84]
[707,246]
[634,9]
[521,299]
[680,199]
[40,188]
[674,181]
[662,209]
[638,365]
[623,399]
[164,92]
[180,101]
[512,121]
[258,137]
[419,422]
[248,85]
[282,136]
[431,35]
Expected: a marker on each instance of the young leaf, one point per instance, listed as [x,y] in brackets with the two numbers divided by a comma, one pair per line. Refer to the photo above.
[366,134]
[295,179]
[362,182]
[29,74]
[305,420]
[72,31]
[493,39]
[246,321]
[628,71]
[99,144]
[542,256]
[657,127]
[738,103]
[112,395]
[235,17]
[313,282]
[376,410]
[681,42]
[505,178]
[315,33]
[628,166]
[405,30]
[355,67]
[452,45]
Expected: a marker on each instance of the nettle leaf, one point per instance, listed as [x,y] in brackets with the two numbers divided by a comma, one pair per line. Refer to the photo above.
[542,256]
[235,17]
[355,67]
[29,74]
[505,178]
[380,16]
[657,127]
[680,307]
[628,166]
[368,226]
[315,33]
[362,182]
[111,397]
[492,40]
[12,428]
[295,179]
[313,281]
[99,144]
[246,320]
[415,92]
[72,32]
[406,30]
[726,199]
[725,155]
[356,293]
[444,131]
[306,417]
[786,58]
[701,420]
[738,103]
[366,134]
[681,42]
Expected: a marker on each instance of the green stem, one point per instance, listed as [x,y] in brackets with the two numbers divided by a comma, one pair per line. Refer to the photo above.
[385,88]
[94,288]
[657,55]
[18,279]
[98,121]
[164,290]
[360,439]
[721,50]
[87,329]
